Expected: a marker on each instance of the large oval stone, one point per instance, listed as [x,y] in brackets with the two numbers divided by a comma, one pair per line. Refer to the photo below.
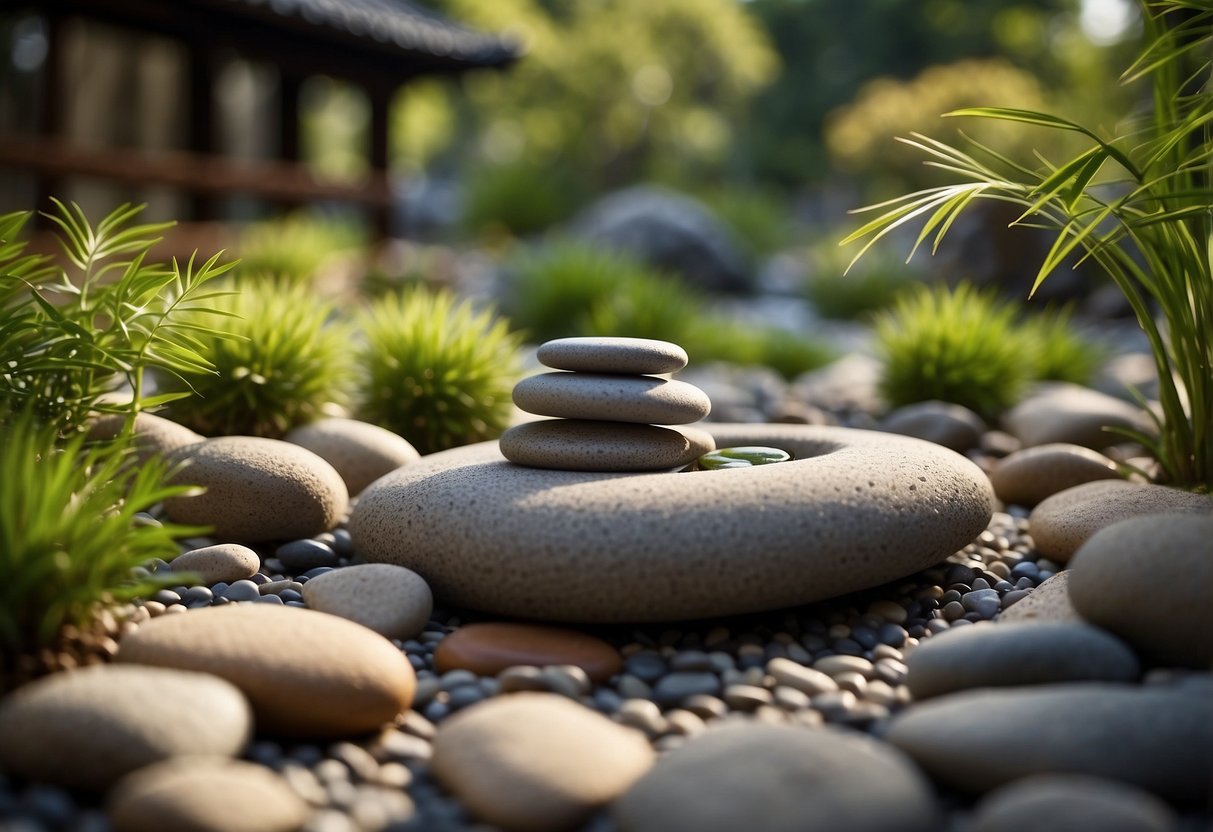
[778,779]
[1026,477]
[306,673]
[612,398]
[536,762]
[88,728]
[1071,803]
[584,445]
[1160,739]
[153,434]
[1066,520]
[361,452]
[855,509]
[644,356]
[1150,580]
[257,489]
[204,794]
[1070,413]
[227,562]
[490,647]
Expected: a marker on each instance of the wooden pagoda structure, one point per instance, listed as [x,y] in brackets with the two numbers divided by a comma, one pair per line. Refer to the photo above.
[377,45]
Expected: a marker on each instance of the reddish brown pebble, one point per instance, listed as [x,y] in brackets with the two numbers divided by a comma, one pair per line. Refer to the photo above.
[487,649]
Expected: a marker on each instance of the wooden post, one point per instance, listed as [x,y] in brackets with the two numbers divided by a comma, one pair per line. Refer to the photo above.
[201,98]
[289,85]
[381,103]
[50,124]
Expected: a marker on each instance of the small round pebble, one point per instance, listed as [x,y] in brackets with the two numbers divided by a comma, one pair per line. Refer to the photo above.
[225,562]
[391,600]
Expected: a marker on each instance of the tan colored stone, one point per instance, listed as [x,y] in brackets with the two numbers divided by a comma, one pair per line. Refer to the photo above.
[536,762]
[612,398]
[87,728]
[361,452]
[225,562]
[1148,579]
[489,648]
[257,490]
[584,445]
[1048,602]
[203,794]
[1026,477]
[391,600]
[1069,413]
[306,673]
[1063,522]
[644,356]
[153,434]
[854,509]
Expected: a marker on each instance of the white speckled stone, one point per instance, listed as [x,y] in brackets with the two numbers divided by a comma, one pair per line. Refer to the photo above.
[1066,520]
[854,509]
[1158,738]
[361,452]
[87,728]
[644,356]
[779,778]
[1063,412]
[1071,803]
[1026,477]
[1048,602]
[536,762]
[306,673]
[643,399]
[227,562]
[584,445]
[257,490]
[204,794]
[391,600]
[1149,580]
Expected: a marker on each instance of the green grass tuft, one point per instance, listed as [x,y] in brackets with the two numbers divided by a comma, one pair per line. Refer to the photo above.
[1060,352]
[436,371]
[280,363]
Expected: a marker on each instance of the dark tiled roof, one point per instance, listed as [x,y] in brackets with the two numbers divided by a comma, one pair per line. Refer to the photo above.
[397,22]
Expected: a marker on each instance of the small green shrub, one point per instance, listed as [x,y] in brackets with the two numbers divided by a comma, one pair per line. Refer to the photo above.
[295,248]
[71,334]
[519,198]
[1059,351]
[436,371]
[718,338]
[645,304]
[871,286]
[958,346]
[280,362]
[554,289]
[757,220]
[69,537]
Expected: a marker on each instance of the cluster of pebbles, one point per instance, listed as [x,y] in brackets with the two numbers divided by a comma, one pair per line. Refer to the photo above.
[610,405]
[992,671]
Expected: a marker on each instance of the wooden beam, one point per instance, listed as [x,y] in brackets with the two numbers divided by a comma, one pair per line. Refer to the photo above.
[190,172]
[381,105]
[289,86]
[200,98]
[50,126]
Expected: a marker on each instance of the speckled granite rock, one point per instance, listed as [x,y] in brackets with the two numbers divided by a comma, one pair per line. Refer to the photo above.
[988,656]
[1048,602]
[1158,738]
[854,509]
[1150,580]
[153,434]
[1063,412]
[779,778]
[225,562]
[536,762]
[614,398]
[257,489]
[88,728]
[1066,520]
[1026,477]
[644,356]
[361,452]
[306,673]
[1070,803]
[391,600]
[585,445]
[204,794]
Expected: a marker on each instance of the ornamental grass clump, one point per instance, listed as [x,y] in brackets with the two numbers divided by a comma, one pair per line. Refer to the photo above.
[958,346]
[73,331]
[1060,352]
[281,361]
[554,289]
[1138,203]
[70,537]
[435,370]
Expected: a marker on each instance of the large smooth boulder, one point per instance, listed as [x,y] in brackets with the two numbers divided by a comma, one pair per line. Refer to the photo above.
[361,452]
[1069,413]
[854,509]
[667,230]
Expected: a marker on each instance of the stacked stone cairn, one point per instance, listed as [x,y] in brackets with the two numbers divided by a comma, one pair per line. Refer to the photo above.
[610,405]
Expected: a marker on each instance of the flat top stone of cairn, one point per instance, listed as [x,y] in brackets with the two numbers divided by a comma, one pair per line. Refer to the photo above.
[645,356]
